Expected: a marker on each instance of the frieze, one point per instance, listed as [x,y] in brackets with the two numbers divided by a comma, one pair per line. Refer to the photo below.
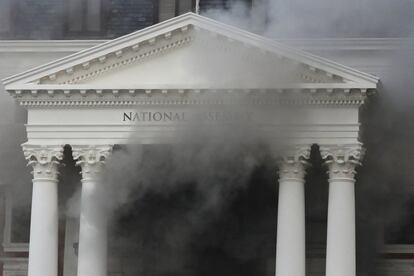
[186,116]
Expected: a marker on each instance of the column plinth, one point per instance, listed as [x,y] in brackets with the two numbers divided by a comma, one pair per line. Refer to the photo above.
[341,240]
[290,246]
[92,256]
[43,247]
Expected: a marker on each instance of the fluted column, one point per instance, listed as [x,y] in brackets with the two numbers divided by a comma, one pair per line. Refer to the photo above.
[341,242]
[92,256]
[43,247]
[290,246]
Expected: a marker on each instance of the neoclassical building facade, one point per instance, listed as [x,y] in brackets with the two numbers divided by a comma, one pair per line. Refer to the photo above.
[184,71]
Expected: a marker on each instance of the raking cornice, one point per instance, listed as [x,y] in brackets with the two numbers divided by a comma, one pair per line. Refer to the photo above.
[179,26]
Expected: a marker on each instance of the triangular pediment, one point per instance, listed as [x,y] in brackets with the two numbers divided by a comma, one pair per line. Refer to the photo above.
[191,52]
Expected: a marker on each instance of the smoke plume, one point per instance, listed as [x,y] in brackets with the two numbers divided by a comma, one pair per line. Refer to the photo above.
[384,187]
[207,205]
[167,200]
[211,175]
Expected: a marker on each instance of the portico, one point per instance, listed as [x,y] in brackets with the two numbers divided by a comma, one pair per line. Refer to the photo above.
[147,86]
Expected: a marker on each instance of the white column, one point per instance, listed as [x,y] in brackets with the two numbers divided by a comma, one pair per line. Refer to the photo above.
[43,247]
[290,246]
[92,256]
[341,242]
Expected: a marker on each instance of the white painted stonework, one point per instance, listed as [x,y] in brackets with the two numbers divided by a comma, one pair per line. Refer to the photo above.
[176,66]
[188,70]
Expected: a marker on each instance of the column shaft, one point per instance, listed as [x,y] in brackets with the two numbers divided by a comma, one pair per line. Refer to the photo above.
[43,247]
[341,240]
[340,251]
[92,256]
[291,245]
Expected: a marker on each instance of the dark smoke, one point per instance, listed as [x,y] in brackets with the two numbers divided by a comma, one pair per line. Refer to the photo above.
[384,188]
[172,228]
[171,204]
[385,193]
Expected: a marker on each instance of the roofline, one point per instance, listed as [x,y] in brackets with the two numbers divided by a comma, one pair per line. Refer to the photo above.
[326,44]
[99,47]
[166,26]
[294,51]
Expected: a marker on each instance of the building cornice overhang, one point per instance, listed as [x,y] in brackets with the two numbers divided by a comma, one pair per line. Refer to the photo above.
[19,88]
[182,24]
[134,97]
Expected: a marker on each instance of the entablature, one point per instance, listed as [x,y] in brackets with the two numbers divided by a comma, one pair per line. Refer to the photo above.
[156,81]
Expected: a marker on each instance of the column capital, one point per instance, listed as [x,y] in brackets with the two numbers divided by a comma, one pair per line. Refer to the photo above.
[44,159]
[342,159]
[293,161]
[91,158]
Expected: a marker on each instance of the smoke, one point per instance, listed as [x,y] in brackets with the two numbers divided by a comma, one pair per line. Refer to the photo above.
[15,182]
[166,201]
[163,199]
[167,195]
[212,196]
[320,18]
[384,183]
[385,193]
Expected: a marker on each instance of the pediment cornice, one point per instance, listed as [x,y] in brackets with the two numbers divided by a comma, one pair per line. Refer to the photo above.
[172,34]
[104,64]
